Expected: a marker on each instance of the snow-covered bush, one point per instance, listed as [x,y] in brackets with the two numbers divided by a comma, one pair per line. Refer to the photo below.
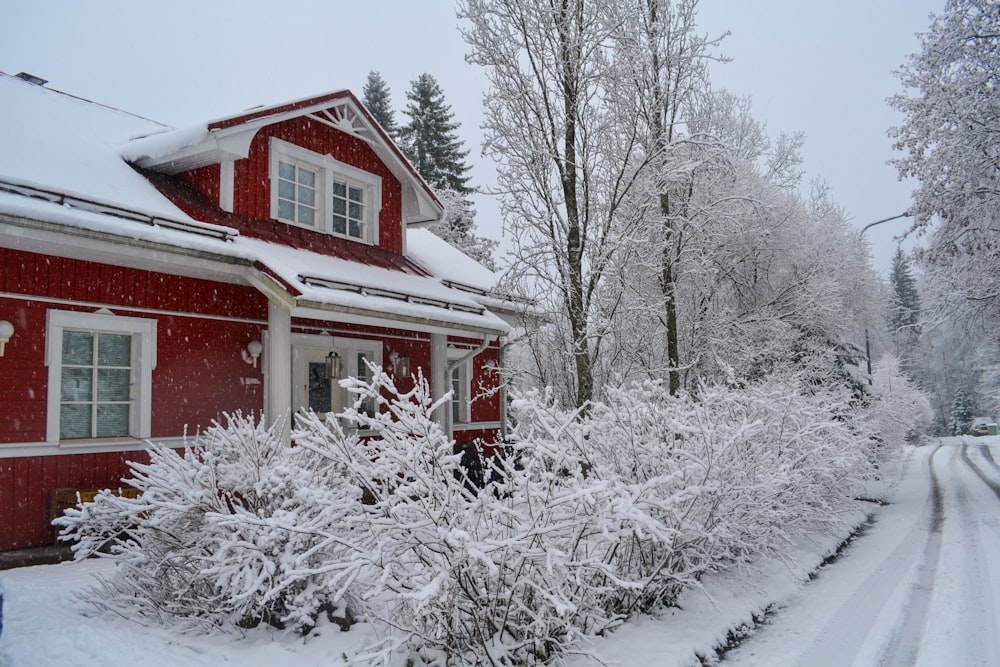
[900,412]
[579,521]
[235,529]
[700,483]
[506,575]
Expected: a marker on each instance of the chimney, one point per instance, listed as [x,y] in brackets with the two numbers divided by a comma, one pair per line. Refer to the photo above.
[31,78]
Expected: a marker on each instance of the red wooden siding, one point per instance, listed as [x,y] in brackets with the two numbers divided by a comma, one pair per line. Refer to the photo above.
[25,485]
[199,364]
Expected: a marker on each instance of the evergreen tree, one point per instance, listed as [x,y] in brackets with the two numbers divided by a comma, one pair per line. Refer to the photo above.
[377,99]
[963,411]
[905,304]
[429,139]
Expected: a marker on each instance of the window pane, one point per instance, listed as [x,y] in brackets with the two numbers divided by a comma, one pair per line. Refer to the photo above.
[286,210]
[307,216]
[339,189]
[307,197]
[355,211]
[77,384]
[74,421]
[355,230]
[286,190]
[339,224]
[456,387]
[78,348]
[307,177]
[339,207]
[112,420]
[113,384]
[356,194]
[286,170]
[114,350]
[320,388]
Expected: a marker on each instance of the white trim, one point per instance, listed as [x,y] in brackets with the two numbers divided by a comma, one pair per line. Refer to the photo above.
[459,360]
[132,309]
[143,332]
[227,180]
[327,168]
[16,450]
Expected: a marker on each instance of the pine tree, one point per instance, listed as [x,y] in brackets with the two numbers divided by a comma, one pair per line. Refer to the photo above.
[377,99]
[429,139]
[905,304]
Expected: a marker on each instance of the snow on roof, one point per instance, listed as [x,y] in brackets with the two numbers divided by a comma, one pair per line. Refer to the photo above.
[58,142]
[173,151]
[447,261]
[61,163]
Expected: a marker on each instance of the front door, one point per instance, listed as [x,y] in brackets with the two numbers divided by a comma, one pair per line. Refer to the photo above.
[314,387]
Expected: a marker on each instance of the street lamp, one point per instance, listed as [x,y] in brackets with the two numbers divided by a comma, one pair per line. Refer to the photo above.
[861,235]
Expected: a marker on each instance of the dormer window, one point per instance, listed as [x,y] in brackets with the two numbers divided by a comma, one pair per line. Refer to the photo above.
[321,193]
[297,197]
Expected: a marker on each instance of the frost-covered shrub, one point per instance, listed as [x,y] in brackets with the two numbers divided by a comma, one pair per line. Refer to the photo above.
[900,412]
[235,529]
[582,520]
[701,483]
[506,575]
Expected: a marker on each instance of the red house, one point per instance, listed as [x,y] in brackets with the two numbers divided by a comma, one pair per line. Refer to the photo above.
[155,278]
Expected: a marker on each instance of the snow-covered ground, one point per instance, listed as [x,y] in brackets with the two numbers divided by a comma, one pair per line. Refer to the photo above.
[914,589]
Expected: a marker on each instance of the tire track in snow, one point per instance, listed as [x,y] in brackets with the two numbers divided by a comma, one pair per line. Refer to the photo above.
[964,604]
[904,645]
[986,454]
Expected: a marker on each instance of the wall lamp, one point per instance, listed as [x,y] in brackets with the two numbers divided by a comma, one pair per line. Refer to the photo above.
[251,354]
[6,331]
[400,364]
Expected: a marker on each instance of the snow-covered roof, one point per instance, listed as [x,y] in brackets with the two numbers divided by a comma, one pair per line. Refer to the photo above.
[66,144]
[171,150]
[66,189]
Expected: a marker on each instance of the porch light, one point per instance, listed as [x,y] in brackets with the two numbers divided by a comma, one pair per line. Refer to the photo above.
[6,331]
[252,353]
[333,365]
[400,364]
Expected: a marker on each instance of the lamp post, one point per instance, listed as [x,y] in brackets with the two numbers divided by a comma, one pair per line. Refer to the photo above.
[861,235]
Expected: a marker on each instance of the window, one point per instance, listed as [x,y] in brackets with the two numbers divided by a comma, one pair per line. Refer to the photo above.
[297,197]
[460,401]
[100,375]
[324,194]
[348,209]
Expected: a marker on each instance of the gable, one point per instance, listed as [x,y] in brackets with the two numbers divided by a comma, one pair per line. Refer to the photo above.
[231,139]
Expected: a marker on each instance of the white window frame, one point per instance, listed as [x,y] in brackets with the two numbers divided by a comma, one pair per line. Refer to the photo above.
[464,397]
[327,169]
[143,332]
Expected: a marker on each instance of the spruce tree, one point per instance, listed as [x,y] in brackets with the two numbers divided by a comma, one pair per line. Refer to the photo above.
[429,138]
[377,99]
[963,411]
[905,313]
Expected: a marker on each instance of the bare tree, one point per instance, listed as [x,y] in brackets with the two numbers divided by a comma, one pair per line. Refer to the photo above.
[565,159]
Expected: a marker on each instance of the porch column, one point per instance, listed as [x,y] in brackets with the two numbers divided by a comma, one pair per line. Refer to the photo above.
[279,364]
[439,378]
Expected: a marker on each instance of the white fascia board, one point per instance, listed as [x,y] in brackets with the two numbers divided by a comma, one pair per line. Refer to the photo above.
[215,147]
[347,315]
[47,238]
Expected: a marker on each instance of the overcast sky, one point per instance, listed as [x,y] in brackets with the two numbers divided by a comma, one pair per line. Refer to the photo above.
[823,68]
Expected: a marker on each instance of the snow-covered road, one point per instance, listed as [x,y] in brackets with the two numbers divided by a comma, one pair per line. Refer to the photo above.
[920,587]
